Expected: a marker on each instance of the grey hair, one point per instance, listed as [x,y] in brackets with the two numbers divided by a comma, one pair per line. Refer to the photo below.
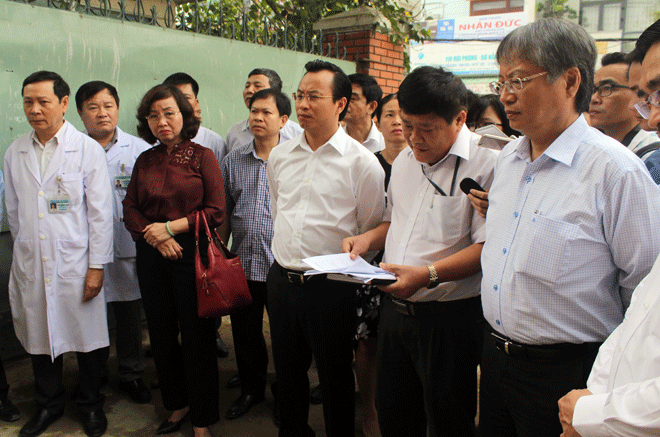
[555,45]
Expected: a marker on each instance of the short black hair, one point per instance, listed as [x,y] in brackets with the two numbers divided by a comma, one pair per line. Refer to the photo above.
[60,87]
[430,90]
[648,38]
[182,79]
[273,78]
[370,87]
[341,84]
[479,106]
[614,58]
[383,102]
[281,101]
[161,92]
[90,89]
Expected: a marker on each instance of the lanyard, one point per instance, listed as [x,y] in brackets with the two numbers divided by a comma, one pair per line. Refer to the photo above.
[453,179]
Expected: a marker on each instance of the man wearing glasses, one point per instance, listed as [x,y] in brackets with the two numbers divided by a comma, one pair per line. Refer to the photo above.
[324,186]
[609,111]
[569,233]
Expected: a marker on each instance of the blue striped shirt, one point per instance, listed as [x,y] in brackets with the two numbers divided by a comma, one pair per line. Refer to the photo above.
[568,238]
[248,207]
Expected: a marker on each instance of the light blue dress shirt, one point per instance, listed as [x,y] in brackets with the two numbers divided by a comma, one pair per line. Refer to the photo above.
[568,238]
[248,208]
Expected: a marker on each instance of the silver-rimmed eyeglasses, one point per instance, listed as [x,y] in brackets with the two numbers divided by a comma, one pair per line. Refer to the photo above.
[644,107]
[512,85]
[311,97]
[169,116]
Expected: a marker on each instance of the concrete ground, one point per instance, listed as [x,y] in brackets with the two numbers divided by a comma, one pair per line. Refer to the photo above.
[127,419]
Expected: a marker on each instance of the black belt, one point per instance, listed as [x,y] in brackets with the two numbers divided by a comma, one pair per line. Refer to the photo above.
[556,351]
[298,276]
[431,308]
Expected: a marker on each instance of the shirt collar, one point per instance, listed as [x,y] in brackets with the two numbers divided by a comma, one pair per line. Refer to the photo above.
[337,141]
[246,124]
[57,137]
[562,149]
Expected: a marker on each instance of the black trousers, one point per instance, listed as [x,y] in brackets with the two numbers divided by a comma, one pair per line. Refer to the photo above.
[187,371]
[316,319]
[519,395]
[249,342]
[427,371]
[49,392]
[128,340]
[4,386]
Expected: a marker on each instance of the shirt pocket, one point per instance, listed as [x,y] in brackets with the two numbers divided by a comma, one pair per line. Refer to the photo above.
[23,265]
[72,258]
[547,249]
[445,219]
[73,187]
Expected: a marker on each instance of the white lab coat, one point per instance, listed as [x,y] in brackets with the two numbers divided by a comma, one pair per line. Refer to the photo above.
[120,278]
[52,252]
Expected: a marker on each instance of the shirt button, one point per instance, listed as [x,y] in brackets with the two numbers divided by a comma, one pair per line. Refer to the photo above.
[528,179]
[646,305]
[495,287]
[296,234]
[515,215]
[504,250]
[42,237]
[47,280]
[306,181]
[41,216]
[43,258]
[497,322]
[41,193]
[302,207]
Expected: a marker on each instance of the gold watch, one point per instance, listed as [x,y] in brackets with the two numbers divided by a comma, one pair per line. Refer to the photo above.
[434,281]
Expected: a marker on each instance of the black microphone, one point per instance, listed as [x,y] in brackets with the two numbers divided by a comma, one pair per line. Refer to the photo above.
[468,184]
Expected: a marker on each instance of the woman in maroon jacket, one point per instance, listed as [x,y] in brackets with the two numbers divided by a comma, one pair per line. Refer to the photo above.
[169,183]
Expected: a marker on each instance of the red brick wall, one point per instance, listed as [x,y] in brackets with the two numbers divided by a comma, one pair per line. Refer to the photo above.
[373,54]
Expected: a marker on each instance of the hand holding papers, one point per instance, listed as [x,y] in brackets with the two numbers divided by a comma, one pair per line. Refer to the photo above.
[340,267]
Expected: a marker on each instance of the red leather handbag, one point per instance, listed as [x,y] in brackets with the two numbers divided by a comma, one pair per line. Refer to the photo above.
[221,287]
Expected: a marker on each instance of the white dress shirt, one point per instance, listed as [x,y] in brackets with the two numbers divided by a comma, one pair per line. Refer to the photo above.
[625,379]
[239,134]
[320,197]
[568,237]
[207,138]
[427,226]
[375,141]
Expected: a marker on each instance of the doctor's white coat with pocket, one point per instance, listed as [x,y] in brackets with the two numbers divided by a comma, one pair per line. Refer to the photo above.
[120,279]
[52,252]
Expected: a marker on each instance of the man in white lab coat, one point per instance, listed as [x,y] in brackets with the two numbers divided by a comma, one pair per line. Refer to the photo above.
[98,106]
[59,208]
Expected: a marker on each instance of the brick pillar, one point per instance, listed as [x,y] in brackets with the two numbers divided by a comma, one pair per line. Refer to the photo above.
[362,34]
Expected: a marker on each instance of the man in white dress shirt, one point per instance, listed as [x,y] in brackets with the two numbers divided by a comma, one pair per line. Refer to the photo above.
[205,137]
[324,187]
[623,390]
[59,208]
[239,134]
[98,106]
[361,108]
[427,342]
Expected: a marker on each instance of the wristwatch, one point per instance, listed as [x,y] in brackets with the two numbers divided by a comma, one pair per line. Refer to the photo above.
[434,281]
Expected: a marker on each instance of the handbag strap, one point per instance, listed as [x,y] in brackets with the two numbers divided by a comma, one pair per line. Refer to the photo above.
[197,228]
[210,236]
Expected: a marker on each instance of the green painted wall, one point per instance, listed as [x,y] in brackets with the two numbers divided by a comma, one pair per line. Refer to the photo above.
[133,57]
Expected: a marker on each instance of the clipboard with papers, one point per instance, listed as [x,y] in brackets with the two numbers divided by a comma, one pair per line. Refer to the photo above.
[340,267]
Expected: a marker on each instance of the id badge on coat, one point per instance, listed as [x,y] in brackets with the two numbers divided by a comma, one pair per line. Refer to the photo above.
[60,203]
[122,180]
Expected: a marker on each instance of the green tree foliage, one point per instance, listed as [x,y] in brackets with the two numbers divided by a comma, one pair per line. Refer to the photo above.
[273,22]
[555,9]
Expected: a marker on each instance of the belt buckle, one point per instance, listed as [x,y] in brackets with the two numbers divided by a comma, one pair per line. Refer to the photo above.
[295,278]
